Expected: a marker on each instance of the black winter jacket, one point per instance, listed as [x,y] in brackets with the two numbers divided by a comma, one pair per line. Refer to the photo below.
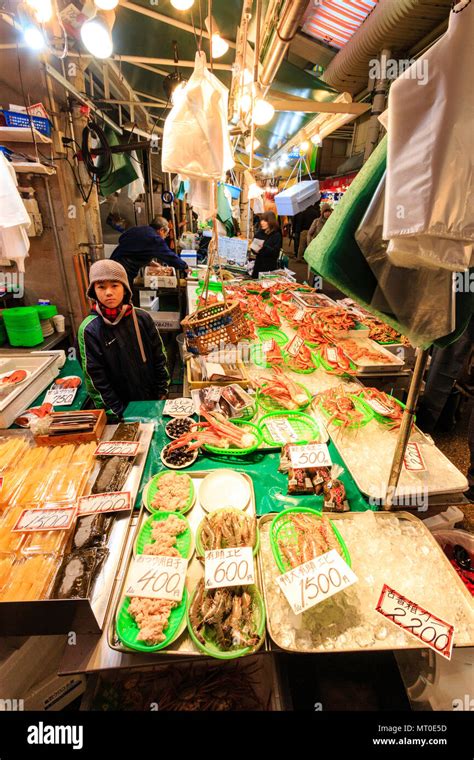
[114,370]
[268,255]
[140,245]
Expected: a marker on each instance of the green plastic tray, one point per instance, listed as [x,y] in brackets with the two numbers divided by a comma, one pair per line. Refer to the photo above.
[360,405]
[271,405]
[380,417]
[152,487]
[327,367]
[315,359]
[258,357]
[304,426]
[267,333]
[212,649]
[128,630]
[239,452]
[282,523]
[200,551]
[184,542]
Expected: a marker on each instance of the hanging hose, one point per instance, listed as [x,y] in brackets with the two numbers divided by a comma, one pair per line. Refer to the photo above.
[101,172]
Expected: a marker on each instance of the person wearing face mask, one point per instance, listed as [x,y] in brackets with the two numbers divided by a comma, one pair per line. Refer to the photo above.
[121,350]
[267,244]
[139,246]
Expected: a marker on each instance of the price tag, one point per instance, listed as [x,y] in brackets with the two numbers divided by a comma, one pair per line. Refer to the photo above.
[58,396]
[33,520]
[117,449]
[331,354]
[229,567]
[281,430]
[178,407]
[267,346]
[413,459]
[432,631]
[213,393]
[378,407]
[157,577]
[316,580]
[298,316]
[295,346]
[310,455]
[115,501]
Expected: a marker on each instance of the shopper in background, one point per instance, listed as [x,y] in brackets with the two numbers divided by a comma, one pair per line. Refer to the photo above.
[318,224]
[138,246]
[303,222]
[268,240]
[451,374]
[121,351]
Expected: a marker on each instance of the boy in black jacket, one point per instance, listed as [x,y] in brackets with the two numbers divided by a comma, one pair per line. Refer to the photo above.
[122,354]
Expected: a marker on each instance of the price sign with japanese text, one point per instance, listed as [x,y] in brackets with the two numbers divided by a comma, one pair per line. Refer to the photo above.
[310,455]
[431,630]
[331,354]
[298,316]
[157,577]
[115,501]
[58,396]
[314,581]
[295,346]
[178,407]
[229,567]
[117,449]
[413,459]
[378,407]
[34,520]
[281,430]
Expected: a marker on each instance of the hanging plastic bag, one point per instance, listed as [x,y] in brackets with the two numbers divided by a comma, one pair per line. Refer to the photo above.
[196,141]
[429,209]
[420,300]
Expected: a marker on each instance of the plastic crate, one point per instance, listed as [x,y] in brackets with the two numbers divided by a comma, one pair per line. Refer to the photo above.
[17,119]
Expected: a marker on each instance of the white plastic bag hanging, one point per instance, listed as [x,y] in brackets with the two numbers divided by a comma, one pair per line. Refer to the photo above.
[429,208]
[196,141]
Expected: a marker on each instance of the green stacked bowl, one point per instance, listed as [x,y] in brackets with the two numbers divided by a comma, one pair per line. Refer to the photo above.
[46,312]
[23,326]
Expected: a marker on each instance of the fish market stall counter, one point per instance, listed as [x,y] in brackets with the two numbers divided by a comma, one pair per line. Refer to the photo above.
[56,575]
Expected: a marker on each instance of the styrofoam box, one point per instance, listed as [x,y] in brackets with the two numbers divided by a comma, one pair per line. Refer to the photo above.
[156,281]
[298,197]
[190,257]
[43,368]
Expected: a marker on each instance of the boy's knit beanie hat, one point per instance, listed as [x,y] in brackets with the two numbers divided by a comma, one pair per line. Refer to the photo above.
[106,269]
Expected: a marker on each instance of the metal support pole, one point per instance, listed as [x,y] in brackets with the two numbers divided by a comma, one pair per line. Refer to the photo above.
[406,426]
[59,255]
[173,217]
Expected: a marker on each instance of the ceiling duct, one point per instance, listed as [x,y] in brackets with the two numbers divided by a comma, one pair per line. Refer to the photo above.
[393,24]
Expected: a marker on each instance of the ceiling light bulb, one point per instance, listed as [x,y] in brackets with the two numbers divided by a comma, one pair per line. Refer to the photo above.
[245,103]
[43,10]
[247,77]
[262,112]
[182,5]
[96,38]
[106,5]
[273,167]
[219,46]
[178,92]
[304,147]
[316,139]
[34,37]
[283,160]
[256,144]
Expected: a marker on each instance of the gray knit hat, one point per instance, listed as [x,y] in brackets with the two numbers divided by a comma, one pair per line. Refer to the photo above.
[106,269]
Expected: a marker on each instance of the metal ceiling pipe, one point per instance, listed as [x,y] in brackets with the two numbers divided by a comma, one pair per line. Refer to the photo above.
[288,25]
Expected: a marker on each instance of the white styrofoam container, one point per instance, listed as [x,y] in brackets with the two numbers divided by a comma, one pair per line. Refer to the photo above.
[43,368]
[190,257]
[298,197]
[166,320]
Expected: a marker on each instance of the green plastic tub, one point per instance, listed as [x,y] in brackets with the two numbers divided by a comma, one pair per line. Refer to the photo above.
[239,452]
[128,630]
[153,485]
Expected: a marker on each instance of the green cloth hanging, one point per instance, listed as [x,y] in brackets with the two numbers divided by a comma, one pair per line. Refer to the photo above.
[122,172]
[335,255]
[224,212]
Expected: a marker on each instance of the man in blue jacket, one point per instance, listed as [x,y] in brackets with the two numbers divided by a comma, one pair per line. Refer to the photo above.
[138,246]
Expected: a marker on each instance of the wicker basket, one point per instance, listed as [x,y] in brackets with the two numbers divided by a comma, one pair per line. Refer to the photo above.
[213,326]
